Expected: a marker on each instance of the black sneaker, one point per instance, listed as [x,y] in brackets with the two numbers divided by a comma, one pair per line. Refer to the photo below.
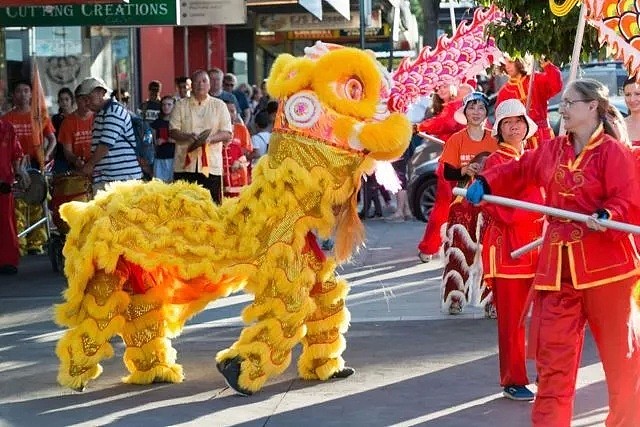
[230,370]
[343,373]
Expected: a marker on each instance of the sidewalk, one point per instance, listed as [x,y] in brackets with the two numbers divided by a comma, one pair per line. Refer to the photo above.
[415,365]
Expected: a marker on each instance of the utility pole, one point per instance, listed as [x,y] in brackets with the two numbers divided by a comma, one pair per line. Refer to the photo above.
[363,22]
[430,9]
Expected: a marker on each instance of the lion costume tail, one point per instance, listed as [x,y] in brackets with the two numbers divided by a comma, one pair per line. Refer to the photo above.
[131,273]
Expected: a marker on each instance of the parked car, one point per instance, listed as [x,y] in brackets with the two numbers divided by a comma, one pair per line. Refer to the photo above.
[421,187]
[612,74]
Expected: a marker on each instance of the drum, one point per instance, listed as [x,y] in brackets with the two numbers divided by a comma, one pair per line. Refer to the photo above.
[66,188]
[36,193]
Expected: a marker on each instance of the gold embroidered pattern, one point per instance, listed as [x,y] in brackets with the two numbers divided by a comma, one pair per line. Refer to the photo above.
[142,336]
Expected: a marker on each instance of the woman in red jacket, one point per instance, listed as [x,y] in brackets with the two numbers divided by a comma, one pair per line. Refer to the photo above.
[507,229]
[586,273]
[546,84]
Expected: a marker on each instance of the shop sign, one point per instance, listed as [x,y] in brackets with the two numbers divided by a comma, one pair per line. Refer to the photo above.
[313,35]
[304,21]
[6,3]
[134,13]
[212,12]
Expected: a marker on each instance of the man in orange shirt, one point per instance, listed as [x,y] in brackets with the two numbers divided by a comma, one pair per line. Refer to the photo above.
[76,133]
[21,119]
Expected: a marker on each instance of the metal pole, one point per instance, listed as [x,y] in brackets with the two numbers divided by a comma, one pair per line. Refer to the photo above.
[551,211]
[393,24]
[575,55]
[452,15]
[363,23]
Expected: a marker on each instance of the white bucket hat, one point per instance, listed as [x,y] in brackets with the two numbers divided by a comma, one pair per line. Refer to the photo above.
[513,108]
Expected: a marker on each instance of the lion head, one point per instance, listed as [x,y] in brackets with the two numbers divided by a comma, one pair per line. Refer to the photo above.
[338,95]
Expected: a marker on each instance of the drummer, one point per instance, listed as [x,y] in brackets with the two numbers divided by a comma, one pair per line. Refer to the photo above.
[76,132]
[40,151]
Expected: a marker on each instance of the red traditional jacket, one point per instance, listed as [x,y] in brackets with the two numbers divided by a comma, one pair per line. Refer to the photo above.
[546,85]
[602,176]
[508,229]
[10,152]
[443,125]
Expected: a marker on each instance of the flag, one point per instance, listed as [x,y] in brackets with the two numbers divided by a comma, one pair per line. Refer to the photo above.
[39,113]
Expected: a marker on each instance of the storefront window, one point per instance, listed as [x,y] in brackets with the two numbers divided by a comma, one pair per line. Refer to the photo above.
[65,56]
[112,50]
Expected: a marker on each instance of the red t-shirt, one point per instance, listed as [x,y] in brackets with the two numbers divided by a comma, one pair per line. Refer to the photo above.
[10,151]
[242,137]
[77,132]
[21,122]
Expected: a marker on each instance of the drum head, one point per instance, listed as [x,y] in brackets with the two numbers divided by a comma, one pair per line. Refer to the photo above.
[37,191]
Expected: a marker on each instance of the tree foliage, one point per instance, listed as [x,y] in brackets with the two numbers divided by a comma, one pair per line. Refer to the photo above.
[416,9]
[531,27]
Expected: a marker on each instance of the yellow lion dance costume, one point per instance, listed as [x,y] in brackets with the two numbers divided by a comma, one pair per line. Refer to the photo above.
[142,258]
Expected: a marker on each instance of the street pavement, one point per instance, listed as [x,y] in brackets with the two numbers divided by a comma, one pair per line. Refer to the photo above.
[415,365]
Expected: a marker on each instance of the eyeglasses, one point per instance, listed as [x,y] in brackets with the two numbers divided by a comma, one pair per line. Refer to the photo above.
[566,103]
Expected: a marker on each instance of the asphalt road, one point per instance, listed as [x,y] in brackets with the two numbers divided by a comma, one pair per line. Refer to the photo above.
[415,365]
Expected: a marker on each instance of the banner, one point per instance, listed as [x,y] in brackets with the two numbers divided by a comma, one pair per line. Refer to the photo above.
[212,12]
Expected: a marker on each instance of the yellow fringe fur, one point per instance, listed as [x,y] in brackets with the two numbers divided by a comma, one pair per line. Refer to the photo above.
[183,251]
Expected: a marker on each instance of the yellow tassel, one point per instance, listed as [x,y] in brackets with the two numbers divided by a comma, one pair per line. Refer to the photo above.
[78,382]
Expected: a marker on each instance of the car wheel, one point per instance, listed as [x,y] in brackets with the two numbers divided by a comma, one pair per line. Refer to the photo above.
[424,199]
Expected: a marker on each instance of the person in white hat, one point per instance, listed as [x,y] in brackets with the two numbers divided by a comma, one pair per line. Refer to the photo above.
[587,273]
[113,156]
[508,229]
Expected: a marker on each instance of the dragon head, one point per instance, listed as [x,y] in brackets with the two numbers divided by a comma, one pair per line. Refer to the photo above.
[338,95]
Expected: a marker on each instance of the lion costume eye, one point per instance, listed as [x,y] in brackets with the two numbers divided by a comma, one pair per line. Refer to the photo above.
[353,89]
[349,93]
